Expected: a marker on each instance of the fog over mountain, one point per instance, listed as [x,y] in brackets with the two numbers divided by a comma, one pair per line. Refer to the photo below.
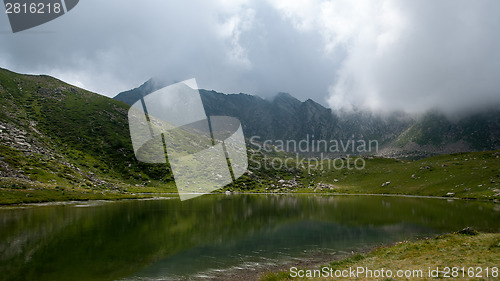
[382,55]
[284,118]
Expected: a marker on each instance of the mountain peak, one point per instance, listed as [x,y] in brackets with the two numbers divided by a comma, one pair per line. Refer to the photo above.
[284,95]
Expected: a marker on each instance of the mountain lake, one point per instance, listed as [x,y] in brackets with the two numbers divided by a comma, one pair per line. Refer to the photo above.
[213,236]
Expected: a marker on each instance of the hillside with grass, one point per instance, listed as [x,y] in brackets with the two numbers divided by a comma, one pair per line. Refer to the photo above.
[473,175]
[462,175]
[66,142]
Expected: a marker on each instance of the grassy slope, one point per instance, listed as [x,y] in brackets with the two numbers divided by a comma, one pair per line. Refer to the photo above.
[449,250]
[435,129]
[462,175]
[466,175]
[78,145]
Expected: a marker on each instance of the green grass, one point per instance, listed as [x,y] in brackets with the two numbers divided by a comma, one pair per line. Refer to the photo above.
[474,175]
[448,250]
[13,196]
[463,175]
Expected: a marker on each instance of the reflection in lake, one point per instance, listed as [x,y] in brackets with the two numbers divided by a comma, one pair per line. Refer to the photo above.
[151,239]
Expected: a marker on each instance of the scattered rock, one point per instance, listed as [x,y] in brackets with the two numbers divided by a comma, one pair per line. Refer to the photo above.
[468,231]
[322,186]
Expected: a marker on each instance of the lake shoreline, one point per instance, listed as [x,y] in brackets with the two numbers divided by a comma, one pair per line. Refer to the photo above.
[469,250]
[323,259]
[222,237]
[174,195]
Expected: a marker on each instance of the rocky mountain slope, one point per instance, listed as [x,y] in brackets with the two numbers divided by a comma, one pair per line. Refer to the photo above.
[53,132]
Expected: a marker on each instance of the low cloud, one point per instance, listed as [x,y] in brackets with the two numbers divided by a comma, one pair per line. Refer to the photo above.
[384,55]
[421,54]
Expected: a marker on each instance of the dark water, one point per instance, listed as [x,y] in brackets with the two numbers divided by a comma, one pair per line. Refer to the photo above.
[168,239]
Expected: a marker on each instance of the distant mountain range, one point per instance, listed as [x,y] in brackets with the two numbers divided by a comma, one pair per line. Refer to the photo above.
[398,134]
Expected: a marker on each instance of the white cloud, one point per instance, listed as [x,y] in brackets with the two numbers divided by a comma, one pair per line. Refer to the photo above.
[302,13]
[231,29]
[417,56]
[387,54]
[408,55]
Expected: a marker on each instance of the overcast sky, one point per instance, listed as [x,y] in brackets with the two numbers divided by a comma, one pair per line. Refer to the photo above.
[409,55]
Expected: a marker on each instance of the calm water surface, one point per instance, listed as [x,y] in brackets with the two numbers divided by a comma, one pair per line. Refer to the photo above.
[170,239]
